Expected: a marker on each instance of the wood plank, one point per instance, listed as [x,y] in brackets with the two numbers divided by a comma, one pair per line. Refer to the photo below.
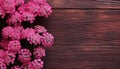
[83,53]
[82,57]
[84,27]
[82,65]
[113,4]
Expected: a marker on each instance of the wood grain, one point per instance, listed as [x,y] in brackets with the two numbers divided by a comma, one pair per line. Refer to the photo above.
[109,4]
[84,53]
[83,57]
[84,39]
[82,65]
[84,27]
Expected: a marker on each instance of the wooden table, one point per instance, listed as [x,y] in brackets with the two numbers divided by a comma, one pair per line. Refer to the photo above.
[87,34]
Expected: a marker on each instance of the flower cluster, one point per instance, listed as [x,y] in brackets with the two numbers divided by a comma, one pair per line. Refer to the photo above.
[18,11]
[36,35]
[11,45]
[20,47]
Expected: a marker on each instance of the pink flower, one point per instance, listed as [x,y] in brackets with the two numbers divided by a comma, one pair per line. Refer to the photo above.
[26,16]
[27,32]
[39,1]
[48,39]
[40,29]
[30,7]
[7,32]
[19,12]
[18,29]
[25,66]
[35,7]
[45,9]
[14,19]
[39,52]
[1,2]
[9,57]
[16,12]
[35,39]
[14,46]
[17,33]
[24,56]
[21,9]
[4,43]
[2,64]
[36,64]
[2,53]
[16,67]
[12,33]
[2,12]
[19,2]
[8,6]
[15,36]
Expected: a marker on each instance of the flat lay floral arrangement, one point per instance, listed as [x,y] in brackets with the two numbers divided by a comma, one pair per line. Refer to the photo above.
[21,46]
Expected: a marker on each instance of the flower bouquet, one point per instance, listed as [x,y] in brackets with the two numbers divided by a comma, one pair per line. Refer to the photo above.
[23,47]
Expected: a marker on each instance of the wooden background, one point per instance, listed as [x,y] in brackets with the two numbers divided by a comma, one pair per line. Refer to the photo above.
[87,34]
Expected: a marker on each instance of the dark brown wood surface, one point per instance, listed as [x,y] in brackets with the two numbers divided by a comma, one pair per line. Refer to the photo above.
[87,34]
[111,4]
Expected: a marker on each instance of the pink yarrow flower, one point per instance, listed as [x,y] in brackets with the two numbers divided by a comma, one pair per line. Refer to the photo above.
[14,46]
[2,53]
[15,36]
[26,16]
[9,58]
[24,56]
[19,2]
[30,7]
[36,64]
[40,29]
[45,9]
[2,64]
[10,32]
[35,39]
[16,67]
[8,6]
[25,66]
[17,32]
[7,32]
[48,39]
[2,12]
[38,1]
[18,29]
[4,44]
[27,32]
[15,19]
[39,52]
